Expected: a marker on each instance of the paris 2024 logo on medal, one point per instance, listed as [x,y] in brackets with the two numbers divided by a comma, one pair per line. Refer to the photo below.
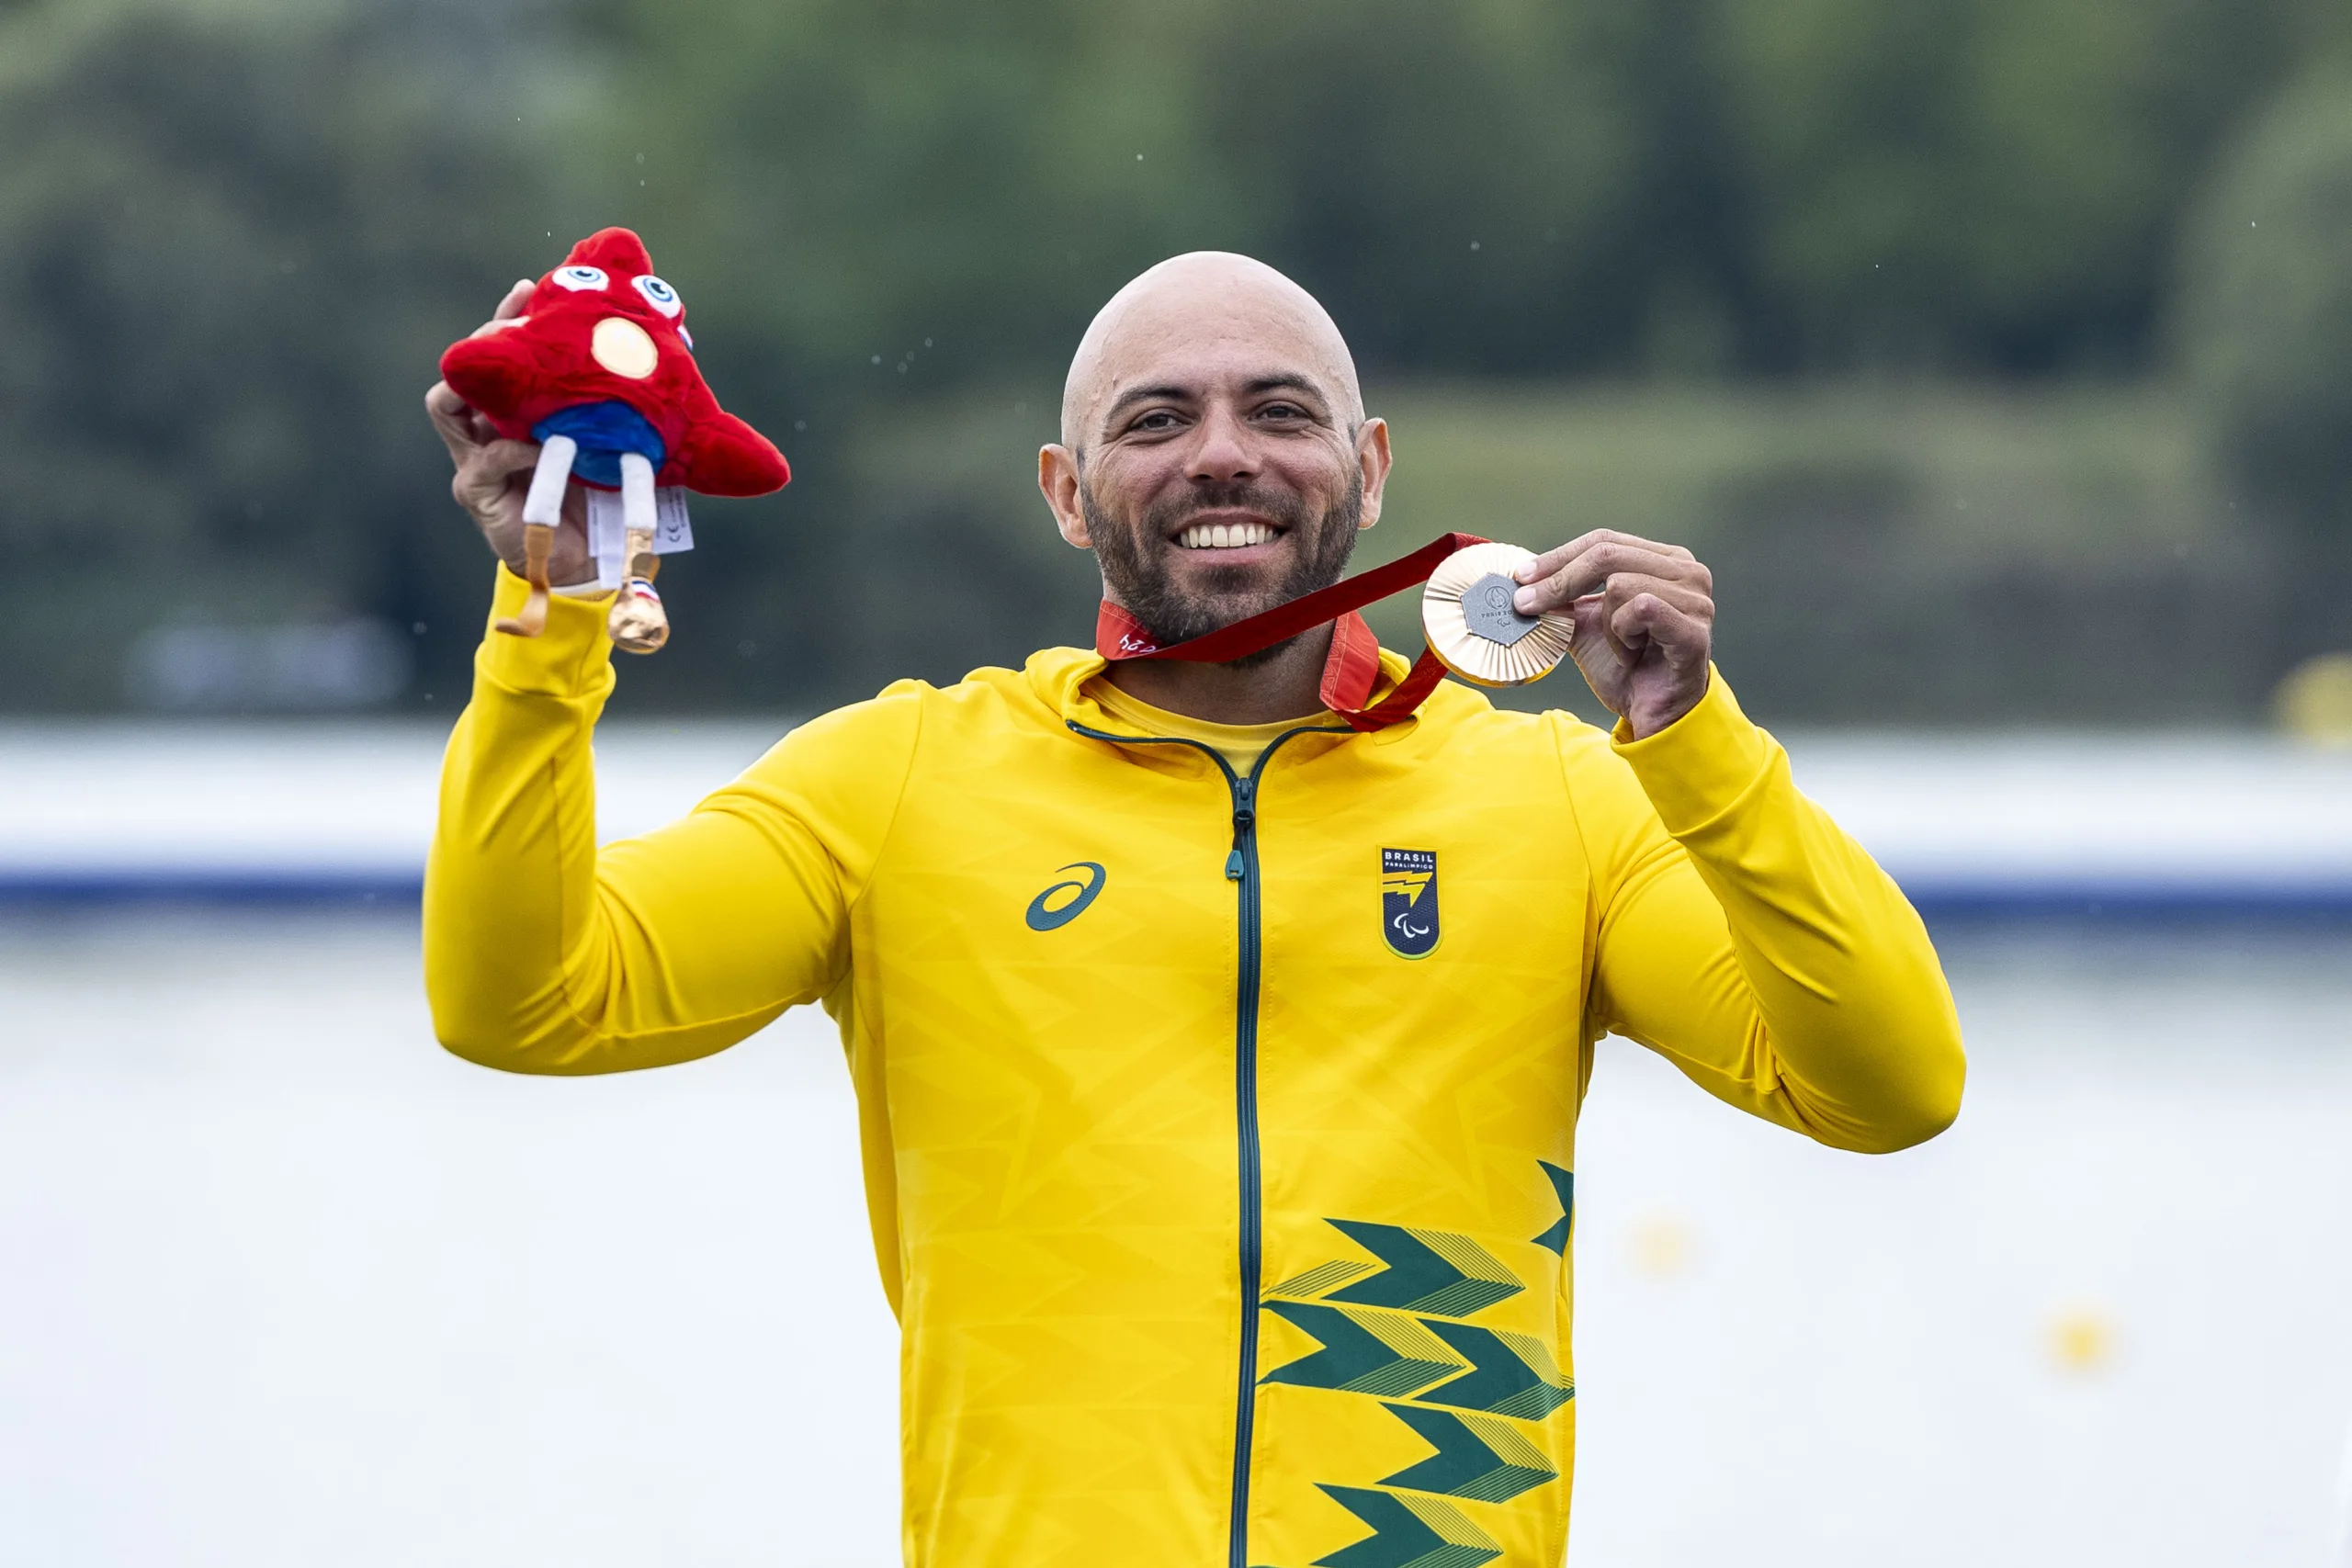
[1408,901]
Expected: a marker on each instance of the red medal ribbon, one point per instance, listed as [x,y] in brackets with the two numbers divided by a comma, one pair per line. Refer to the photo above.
[1348,674]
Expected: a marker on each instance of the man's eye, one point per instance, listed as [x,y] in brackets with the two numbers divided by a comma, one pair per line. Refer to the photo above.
[1158,420]
[1281,411]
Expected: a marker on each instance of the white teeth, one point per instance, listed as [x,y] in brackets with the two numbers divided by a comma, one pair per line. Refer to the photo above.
[1224,536]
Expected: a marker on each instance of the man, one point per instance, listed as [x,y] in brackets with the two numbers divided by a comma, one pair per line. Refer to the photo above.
[1225,1225]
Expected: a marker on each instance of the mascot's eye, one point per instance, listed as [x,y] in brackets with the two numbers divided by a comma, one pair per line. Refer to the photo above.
[580,278]
[658,295]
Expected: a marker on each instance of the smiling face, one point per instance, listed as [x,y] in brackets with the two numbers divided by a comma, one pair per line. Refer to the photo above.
[1214,453]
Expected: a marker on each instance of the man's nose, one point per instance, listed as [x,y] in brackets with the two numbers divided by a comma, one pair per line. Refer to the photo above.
[1224,453]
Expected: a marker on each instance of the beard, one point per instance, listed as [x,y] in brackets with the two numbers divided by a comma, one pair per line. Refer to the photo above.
[1135,571]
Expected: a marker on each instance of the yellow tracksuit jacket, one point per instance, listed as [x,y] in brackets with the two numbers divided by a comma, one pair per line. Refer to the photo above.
[1217,1129]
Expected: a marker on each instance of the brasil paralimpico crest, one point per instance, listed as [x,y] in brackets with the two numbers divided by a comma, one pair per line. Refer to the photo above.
[1408,901]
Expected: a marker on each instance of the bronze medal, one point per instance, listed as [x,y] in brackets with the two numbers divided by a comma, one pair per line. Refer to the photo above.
[1466,613]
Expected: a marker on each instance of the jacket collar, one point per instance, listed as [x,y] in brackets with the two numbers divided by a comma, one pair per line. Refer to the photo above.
[1058,677]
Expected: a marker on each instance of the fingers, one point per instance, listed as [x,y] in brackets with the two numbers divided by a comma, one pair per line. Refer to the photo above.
[1623,587]
[1596,563]
[1625,650]
[461,428]
[510,310]
[1645,617]
[462,431]
[1670,610]
[480,483]
[1551,561]
[492,463]
[1646,621]
[1636,612]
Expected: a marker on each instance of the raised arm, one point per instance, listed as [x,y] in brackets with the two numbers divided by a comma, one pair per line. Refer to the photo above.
[543,955]
[1745,938]
[1741,932]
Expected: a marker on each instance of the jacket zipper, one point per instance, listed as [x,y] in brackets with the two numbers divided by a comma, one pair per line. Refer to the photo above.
[1240,869]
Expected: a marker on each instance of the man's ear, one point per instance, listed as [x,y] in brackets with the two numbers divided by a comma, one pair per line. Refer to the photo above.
[1371,461]
[1057,478]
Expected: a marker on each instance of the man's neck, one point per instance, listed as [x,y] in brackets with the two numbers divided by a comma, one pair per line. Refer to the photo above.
[1287,685]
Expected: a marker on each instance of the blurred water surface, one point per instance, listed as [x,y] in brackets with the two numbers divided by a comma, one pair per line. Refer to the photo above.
[282,1284]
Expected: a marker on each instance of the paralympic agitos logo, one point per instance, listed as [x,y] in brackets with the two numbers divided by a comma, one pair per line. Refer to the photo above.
[1066,900]
[1408,901]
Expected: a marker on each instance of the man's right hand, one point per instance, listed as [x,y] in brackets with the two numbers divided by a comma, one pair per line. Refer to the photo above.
[493,474]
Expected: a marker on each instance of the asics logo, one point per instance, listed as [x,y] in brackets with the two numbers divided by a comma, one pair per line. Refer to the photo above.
[1066,900]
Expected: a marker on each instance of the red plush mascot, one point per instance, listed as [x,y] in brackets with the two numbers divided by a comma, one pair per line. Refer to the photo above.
[600,371]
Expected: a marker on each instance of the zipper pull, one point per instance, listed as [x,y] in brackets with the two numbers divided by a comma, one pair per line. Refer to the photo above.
[1245,819]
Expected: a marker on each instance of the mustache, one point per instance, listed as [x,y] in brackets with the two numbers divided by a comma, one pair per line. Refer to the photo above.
[1135,571]
[1168,516]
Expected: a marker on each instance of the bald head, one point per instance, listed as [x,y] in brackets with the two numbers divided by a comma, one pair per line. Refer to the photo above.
[1214,457]
[1202,310]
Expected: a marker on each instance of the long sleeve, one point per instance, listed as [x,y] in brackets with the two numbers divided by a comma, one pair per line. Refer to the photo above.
[543,955]
[1745,938]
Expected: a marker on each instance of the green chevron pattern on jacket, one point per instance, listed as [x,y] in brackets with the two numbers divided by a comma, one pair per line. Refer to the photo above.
[1398,1339]
[1321,1277]
[1563,1182]
[1428,1271]
[1478,1457]
[1511,1375]
[1408,1532]
[1364,1352]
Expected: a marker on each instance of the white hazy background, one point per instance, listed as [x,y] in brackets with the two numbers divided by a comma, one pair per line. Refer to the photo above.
[282,1284]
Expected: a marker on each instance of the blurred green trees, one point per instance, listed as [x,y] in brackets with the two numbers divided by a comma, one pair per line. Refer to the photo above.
[2266,324]
[1479,186]
[1983,185]
[2267,316]
[233,237]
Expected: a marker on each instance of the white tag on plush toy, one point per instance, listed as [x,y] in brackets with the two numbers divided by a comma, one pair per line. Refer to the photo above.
[671,531]
[609,535]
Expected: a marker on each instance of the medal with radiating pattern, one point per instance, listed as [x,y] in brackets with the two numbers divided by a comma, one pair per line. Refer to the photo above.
[1472,627]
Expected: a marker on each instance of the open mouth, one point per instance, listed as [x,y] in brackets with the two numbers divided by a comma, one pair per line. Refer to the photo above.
[1227,536]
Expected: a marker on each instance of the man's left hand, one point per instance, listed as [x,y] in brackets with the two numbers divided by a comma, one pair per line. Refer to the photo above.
[1646,617]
